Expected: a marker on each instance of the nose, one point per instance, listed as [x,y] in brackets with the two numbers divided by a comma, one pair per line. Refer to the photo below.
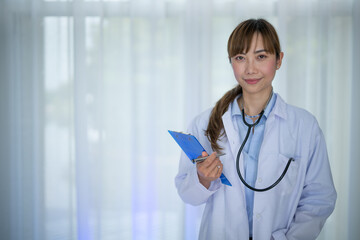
[250,67]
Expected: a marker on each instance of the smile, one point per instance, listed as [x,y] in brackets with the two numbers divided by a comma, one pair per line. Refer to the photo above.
[252,80]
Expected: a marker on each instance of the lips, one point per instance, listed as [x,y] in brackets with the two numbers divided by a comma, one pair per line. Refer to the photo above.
[252,80]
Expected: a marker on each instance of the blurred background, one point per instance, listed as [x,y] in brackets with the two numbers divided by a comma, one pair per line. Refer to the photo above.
[89,88]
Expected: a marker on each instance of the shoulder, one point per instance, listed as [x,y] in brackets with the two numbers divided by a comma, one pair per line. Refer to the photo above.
[298,120]
[198,126]
[293,113]
[301,130]
[200,122]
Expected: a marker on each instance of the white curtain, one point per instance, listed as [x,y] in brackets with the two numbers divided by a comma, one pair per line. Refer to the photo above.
[88,90]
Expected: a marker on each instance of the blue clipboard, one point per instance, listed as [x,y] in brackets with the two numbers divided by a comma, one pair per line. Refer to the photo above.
[192,148]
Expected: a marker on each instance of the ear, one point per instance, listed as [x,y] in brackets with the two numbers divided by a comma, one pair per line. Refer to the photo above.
[279,60]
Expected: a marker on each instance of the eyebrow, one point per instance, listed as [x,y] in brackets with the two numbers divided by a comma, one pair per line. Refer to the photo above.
[257,51]
[261,50]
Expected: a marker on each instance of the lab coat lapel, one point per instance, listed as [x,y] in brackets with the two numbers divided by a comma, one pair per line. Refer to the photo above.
[269,162]
[232,136]
[271,139]
[233,145]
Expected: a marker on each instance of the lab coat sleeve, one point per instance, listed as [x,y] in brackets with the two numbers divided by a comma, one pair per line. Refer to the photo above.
[187,181]
[318,197]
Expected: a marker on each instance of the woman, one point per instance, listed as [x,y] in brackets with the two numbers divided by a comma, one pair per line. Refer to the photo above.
[284,140]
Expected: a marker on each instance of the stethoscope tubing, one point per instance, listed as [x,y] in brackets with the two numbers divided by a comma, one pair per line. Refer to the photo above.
[239,153]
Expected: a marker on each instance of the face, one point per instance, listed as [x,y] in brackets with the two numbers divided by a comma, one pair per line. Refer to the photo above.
[255,70]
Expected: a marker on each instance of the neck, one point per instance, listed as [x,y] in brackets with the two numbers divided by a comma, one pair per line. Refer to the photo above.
[254,104]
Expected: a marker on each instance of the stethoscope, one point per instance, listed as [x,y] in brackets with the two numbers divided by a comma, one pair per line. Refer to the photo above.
[241,148]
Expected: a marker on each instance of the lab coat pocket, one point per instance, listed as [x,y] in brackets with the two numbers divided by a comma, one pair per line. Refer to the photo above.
[288,183]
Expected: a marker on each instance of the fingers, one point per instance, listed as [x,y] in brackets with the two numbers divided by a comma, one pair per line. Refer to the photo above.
[211,168]
[209,160]
[218,170]
[215,167]
[211,173]
[204,154]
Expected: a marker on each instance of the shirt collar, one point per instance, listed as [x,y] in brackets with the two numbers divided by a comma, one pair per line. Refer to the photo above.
[235,109]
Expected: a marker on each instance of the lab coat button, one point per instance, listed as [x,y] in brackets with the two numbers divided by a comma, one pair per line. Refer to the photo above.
[258,216]
[259,179]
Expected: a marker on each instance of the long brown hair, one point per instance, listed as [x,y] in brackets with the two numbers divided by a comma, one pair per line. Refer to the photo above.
[239,42]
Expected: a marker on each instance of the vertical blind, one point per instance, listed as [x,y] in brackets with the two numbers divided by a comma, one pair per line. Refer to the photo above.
[88,90]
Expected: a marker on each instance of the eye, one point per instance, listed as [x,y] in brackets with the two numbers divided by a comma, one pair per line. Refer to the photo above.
[239,58]
[262,57]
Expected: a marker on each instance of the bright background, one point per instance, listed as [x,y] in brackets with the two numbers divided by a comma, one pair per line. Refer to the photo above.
[88,90]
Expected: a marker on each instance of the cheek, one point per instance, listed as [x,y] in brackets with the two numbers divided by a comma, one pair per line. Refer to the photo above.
[270,68]
[237,71]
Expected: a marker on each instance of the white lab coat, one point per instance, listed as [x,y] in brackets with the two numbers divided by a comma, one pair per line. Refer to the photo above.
[295,209]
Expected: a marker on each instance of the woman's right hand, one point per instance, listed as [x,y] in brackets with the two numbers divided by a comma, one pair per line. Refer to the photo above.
[210,169]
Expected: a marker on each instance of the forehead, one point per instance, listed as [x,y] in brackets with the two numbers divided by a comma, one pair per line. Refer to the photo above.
[245,40]
[254,45]
[257,42]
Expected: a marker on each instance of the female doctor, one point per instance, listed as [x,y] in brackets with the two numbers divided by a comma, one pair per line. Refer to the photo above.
[275,154]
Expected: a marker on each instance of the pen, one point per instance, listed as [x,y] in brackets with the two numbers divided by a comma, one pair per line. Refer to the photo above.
[201,159]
